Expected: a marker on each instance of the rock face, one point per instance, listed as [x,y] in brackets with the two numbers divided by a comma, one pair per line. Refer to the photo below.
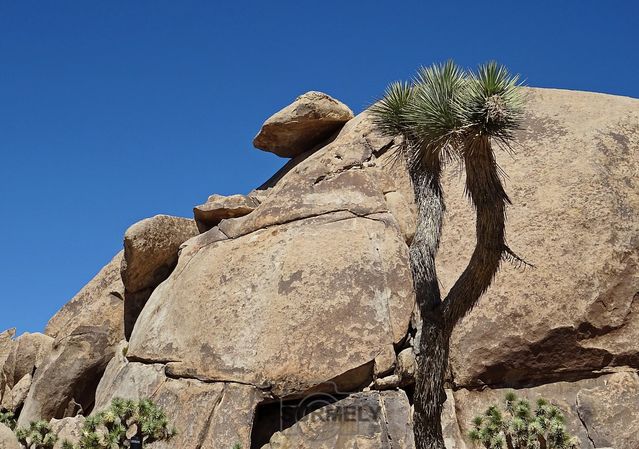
[150,254]
[302,125]
[303,287]
[209,415]
[219,207]
[322,238]
[575,193]
[374,420]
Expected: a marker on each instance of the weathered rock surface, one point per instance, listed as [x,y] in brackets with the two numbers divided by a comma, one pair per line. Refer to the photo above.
[575,189]
[8,439]
[220,207]
[28,352]
[151,250]
[373,420]
[601,412]
[302,125]
[67,429]
[99,303]
[68,379]
[208,415]
[150,254]
[14,399]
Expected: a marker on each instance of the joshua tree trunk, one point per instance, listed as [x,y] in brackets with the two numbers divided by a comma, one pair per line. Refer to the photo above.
[439,318]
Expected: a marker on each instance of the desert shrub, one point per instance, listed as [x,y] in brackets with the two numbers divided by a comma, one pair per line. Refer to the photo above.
[7,418]
[37,436]
[520,427]
[113,427]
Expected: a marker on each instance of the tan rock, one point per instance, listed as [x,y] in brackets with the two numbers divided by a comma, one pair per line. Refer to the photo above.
[150,250]
[29,352]
[150,253]
[575,189]
[220,207]
[99,303]
[67,429]
[609,411]
[302,125]
[350,274]
[596,409]
[8,439]
[372,420]
[207,415]
[69,376]
[15,398]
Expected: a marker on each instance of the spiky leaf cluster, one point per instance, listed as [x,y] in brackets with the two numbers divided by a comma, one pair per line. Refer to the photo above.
[445,109]
[113,427]
[520,427]
[37,436]
[7,418]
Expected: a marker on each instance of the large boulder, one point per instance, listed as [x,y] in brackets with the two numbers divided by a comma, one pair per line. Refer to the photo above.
[151,250]
[372,420]
[574,185]
[304,124]
[319,269]
[65,384]
[29,351]
[150,254]
[67,429]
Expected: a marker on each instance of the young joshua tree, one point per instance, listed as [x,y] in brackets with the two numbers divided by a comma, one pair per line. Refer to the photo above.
[446,114]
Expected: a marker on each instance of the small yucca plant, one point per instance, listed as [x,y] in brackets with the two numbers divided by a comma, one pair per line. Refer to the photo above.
[124,419]
[7,418]
[37,436]
[519,427]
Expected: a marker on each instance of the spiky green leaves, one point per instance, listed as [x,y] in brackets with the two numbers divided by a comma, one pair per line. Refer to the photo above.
[7,418]
[111,428]
[519,427]
[37,436]
[445,109]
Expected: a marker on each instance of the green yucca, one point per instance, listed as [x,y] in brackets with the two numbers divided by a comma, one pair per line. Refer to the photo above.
[37,436]
[518,427]
[7,418]
[113,427]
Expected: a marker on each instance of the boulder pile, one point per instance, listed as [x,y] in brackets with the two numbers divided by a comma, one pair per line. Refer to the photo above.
[270,311]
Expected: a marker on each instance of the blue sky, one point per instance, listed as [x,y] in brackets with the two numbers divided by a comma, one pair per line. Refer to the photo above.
[114,111]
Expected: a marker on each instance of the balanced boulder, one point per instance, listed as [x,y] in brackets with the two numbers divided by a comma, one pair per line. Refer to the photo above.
[304,124]
[219,207]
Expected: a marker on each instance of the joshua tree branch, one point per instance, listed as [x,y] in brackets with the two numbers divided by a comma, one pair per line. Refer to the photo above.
[489,199]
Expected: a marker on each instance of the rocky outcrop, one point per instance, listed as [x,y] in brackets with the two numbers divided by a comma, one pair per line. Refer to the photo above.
[575,192]
[67,429]
[323,238]
[208,415]
[302,125]
[150,254]
[372,420]
[303,288]
[65,384]
[600,411]
[86,331]
[219,207]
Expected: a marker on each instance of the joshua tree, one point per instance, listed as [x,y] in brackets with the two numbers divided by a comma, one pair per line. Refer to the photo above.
[518,427]
[37,436]
[112,428]
[447,114]
[7,418]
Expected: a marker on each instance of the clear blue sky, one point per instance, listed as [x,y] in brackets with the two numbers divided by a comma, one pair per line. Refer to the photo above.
[114,111]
